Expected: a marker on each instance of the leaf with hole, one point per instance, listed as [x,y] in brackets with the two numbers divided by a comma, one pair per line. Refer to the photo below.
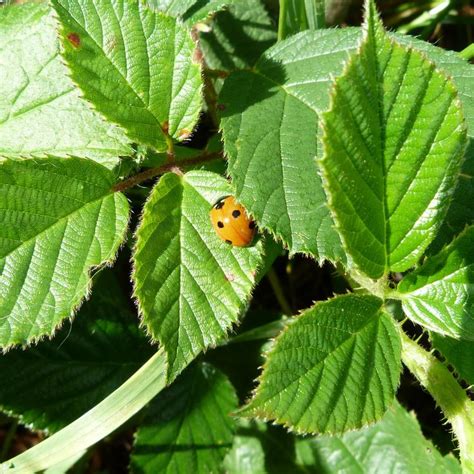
[344,349]
[134,65]
[60,221]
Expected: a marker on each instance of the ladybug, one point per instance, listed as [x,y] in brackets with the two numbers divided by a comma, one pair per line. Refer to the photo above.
[231,222]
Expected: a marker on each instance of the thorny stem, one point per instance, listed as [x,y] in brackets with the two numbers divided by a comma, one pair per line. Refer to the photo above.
[448,394]
[159,170]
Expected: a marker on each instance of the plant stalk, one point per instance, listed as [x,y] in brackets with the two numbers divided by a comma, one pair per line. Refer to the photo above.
[467,53]
[448,394]
[7,442]
[278,291]
[282,19]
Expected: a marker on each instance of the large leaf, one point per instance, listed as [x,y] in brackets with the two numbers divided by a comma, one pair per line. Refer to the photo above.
[59,220]
[191,286]
[188,428]
[439,294]
[340,350]
[394,444]
[86,361]
[270,128]
[40,109]
[459,354]
[134,65]
[238,36]
[391,163]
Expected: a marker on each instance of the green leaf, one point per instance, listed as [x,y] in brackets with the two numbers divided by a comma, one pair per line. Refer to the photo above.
[344,349]
[459,353]
[85,362]
[191,11]
[394,444]
[299,15]
[439,294]
[270,128]
[238,36]
[40,109]
[60,220]
[391,164]
[134,65]
[191,286]
[188,428]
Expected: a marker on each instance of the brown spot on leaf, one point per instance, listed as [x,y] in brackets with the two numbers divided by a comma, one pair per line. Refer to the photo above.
[165,126]
[74,39]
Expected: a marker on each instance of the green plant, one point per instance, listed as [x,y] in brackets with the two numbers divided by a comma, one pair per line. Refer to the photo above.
[351,146]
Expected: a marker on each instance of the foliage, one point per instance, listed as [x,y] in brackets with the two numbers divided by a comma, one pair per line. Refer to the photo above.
[121,124]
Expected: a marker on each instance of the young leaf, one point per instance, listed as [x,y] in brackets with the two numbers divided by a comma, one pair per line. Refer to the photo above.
[134,65]
[394,138]
[343,349]
[394,444]
[60,220]
[191,286]
[439,294]
[188,428]
[40,109]
[459,354]
[238,36]
[85,362]
[270,127]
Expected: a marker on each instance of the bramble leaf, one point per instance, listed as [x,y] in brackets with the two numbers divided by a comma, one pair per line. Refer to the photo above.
[344,349]
[188,428]
[60,220]
[439,294]
[191,286]
[238,36]
[394,139]
[134,65]
[190,11]
[394,444]
[41,112]
[270,128]
[87,360]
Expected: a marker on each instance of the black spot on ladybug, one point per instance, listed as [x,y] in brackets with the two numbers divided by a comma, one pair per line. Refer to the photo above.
[219,205]
[220,225]
[228,241]
[236,213]
[252,225]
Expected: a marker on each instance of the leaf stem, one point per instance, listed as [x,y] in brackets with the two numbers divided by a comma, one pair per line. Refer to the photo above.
[467,53]
[159,170]
[97,423]
[448,394]
[282,19]
[279,293]
[8,439]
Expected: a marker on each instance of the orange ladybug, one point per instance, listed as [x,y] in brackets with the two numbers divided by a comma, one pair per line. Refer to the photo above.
[231,222]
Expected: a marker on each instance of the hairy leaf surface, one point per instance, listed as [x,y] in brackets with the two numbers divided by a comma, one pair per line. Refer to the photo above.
[270,128]
[86,361]
[134,65]
[59,221]
[40,109]
[191,286]
[189,427]
[439,294]
[346,349]
[394,139]
[394,444]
